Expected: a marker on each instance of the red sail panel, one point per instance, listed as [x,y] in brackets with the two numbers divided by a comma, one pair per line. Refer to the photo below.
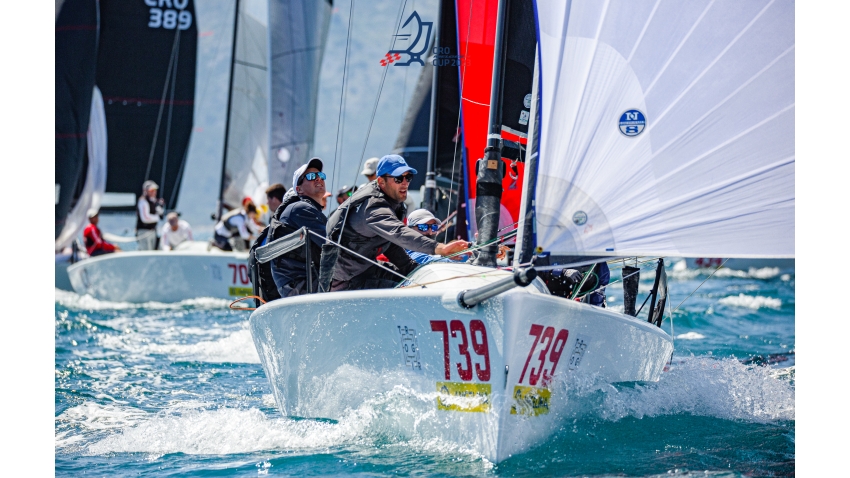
[476,21]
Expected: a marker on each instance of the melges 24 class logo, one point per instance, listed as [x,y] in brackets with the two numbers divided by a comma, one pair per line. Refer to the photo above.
[169,14]
[632,123]
[416,48]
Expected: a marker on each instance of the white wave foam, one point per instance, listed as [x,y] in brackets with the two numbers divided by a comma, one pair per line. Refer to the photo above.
[751,302]
[689,274]
[724,389]
[233,346]
[237,347]
[690,336]
[71,300]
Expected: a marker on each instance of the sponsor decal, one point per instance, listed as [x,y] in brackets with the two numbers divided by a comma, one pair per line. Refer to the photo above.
[416,47]
[240,291]
[579,218]
[530,401]
[409,347]
[632,123]
[463,397]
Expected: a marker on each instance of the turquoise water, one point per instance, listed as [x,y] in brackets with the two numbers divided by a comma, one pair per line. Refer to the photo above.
[178,390]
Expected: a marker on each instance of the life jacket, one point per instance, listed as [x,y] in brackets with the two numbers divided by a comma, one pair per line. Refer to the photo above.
[227,220]
[143,225]
[261,274]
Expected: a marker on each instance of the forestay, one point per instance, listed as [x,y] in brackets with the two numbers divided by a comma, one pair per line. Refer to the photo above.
[667,128]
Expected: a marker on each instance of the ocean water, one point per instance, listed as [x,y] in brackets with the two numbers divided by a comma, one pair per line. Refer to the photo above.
[178,390]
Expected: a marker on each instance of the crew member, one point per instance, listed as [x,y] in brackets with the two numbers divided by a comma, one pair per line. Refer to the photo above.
[149,211]
[374,226]
[289,271]
[231,232]
[425,223]
[344,193]
[370,170]
[274,197]
[174,232]
[95,245]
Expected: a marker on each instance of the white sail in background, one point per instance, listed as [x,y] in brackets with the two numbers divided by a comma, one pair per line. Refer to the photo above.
[296,45]
[246,170]
[667,128]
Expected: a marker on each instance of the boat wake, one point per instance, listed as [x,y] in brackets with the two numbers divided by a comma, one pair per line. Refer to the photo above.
[398,416]
[71,300]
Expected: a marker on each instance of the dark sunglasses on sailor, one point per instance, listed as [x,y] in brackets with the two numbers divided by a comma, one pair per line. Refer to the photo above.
[399,179]
[425,227]
[313,176]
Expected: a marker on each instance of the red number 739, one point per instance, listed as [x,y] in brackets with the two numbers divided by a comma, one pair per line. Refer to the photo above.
[549,343]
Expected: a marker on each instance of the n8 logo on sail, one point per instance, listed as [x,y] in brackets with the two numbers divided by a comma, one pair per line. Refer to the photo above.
[172,16]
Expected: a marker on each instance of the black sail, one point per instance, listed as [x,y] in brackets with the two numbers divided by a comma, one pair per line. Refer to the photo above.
[146,72]
[519,74]
[76,40]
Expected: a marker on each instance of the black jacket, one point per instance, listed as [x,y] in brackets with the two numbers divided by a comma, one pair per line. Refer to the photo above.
[304,213]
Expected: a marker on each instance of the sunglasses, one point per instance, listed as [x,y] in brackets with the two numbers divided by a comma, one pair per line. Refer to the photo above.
[313,176]
[399,179]
[425,227]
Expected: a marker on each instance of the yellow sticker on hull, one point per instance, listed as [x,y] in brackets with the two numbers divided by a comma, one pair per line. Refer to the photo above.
[240,291]
[530,401]
[463,397]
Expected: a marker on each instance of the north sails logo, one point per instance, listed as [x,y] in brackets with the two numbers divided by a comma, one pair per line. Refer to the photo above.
[416,48]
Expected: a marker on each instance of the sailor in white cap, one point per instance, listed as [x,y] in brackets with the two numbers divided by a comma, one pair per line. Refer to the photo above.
[370,170]
[149,211]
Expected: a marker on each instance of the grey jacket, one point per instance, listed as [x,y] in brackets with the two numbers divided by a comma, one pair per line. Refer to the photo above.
[374,226]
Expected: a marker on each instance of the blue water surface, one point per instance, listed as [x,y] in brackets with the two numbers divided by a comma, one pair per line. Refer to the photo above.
[178,390]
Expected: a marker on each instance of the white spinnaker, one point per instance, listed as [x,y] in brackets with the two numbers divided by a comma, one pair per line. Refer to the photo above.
[247,165]
[712,172]
[95,184]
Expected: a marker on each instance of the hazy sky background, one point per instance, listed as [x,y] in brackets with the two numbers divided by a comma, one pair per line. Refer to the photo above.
[372,28]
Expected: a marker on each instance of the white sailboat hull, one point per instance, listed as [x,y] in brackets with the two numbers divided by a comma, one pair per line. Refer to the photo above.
[310,346]
[162,276]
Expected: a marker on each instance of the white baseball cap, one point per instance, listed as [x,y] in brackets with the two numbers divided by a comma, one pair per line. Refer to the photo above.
[313,163]
[370,167]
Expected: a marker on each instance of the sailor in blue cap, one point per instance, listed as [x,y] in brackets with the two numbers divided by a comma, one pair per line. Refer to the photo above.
[375,227]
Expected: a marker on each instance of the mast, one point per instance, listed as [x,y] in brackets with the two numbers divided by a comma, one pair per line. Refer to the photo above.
[491,168]
[525,239]
[220,205]
[429,199]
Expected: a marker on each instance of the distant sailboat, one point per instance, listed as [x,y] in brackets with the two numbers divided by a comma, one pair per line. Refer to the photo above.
[194,269]
[632,106]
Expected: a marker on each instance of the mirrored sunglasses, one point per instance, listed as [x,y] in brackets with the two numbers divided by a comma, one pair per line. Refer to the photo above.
[313,176]
[425,227]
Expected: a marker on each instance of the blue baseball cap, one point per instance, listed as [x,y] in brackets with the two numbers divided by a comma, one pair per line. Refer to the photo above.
[394,165]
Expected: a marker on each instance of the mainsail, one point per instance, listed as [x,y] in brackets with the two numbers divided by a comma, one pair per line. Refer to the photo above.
[146,72]
[296,43]
[667,128]
[245,161]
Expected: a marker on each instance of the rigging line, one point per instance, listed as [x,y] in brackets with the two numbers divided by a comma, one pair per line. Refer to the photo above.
[380,90]
[162,102]
[356,254]
[703,282]
[170,111]
[458,134]
[340,117]
[374,110]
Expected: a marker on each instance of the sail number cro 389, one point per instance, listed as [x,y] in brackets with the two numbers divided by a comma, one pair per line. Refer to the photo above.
[169,14]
